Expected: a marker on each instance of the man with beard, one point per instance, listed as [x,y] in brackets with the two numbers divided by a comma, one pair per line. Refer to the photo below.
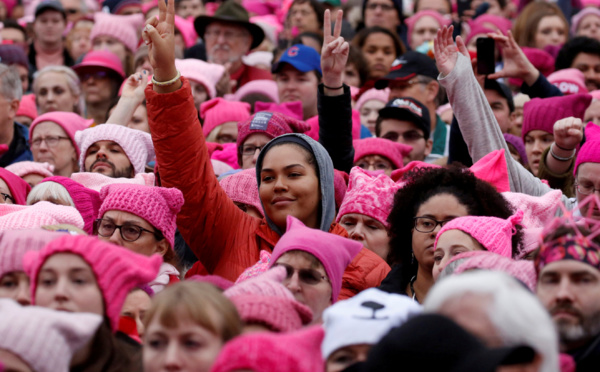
[568,269]
[114,150]
[228,35]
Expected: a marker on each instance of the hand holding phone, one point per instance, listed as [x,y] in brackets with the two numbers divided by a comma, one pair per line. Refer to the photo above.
[486,56]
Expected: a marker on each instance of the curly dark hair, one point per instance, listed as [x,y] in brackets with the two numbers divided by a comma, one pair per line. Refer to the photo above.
[572,48]
[479,197]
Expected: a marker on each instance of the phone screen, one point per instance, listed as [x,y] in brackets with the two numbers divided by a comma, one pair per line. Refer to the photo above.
[486,55]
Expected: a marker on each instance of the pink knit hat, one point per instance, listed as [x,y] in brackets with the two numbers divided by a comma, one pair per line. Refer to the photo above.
[541,114]
[257,269]
[371,196]
[298,351]
[265,300]
[242,187]
[68,121]
[157,205]
[267,88]
[494,234]
[187,30]
[120,27]
[220,167]
[292,109]
[228,154]
[218,111]
[340,186]
[137,144]
[87,201]
[477,29]
[103,59]
[27,107]
[541,60]
[118,270]
[577,18]
[569,81]
[531,241]
[44,339]
[21,217]
[207,74]
[538,210]
[273,124]
[24,168]
[333,251]
[393,151]
[96,181]
[313,122]
[590,151]
[15,243]
[17,186]
[501,23]
[412,20]
[381,95]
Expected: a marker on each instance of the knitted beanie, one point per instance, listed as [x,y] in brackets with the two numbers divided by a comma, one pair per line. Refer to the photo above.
[137,144]
[68,121]
[228,154]
[493,233]
[157,205]
[333,251]
[298,351]
[45,339]
[96,181]
[207,74]
[187,31]
[13,55]
[24,168]
[531,242]
[412,20]
[569,81]
[540,59]
[15,243]
[381,95]
[117,270]
[27,107]
[265,300]
[292,109]
[517,142]
[19,189]
[340,186]
[371,196]
[590,151]
[501,23]
[21,217]
[258,268]
[121,27]
[538,210]
[313,123]
[365,319]
[220,167]
[242,187]
[477,29]
[87,201]
[271,123]
[267,88]
[541,114]
[218,111]
[393,151]
[577,18]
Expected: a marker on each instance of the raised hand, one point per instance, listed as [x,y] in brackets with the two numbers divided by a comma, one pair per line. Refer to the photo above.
[446,53]
[134,86]
[516,63]
[159,35]
[334,54]
[568,133]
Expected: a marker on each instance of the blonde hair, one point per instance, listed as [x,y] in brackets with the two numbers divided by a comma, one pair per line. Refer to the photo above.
[52,192]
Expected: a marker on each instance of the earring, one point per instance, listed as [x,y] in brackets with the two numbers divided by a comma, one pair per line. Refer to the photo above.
[412,260]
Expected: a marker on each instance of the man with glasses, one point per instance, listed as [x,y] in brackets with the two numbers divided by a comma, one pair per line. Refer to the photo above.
[228,36]
[48,47]
[406,120]
[415,76]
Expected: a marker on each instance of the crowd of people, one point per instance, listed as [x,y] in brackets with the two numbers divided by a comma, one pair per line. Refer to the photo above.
[299,185]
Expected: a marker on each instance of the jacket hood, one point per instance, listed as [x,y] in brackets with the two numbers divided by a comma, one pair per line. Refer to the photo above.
[324,172]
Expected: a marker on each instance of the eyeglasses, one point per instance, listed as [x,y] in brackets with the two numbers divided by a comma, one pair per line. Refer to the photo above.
[306,276]
[96,75]
[129,232]
[384,7]
[71,11]
[250,150]
[51,141]
[409,136]
[586,189]
[427,224]
[227,34]
[6,199]
[378,165]
[400,84]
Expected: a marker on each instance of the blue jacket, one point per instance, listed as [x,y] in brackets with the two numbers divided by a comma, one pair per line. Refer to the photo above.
[18,150]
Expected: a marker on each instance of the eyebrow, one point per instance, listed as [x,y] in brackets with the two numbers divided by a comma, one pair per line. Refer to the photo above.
[284,168]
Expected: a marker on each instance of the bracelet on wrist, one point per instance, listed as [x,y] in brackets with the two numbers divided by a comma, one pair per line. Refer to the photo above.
[559,158]
[562,148]
[168,82]
[332,88]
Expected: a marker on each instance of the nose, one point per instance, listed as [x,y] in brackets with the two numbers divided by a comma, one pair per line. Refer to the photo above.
[221,38]
[293,284]
[61,290]
[23,294]
[564,292]
[172,357]
[115,238]
[101,153]
[357,233]
[139,326]
[279,184]
[255,156]
[538,148]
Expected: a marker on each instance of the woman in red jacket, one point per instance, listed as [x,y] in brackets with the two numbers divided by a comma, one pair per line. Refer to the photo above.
[295,173]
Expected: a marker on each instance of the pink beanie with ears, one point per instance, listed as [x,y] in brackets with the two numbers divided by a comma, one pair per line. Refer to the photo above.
[412,20]
[393,151]
[531,241]
[27,107]
[292,109]
[333,251]
[25,217]
[187,30]
[87,201]
[501,23]
[121,27]
[298,351]
[590,151]
[541,114]
[371,196]
[157,205]
[24,168]
[68,121]
[218,111]
[340,186]
[493,233]
[313,122]
[538,210]
[15,243]
[271,123]
[242,187]
[118,270]
[267,88]
[569,81]
[381,95]
[207,74]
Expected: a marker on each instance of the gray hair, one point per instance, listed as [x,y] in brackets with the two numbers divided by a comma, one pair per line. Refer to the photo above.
[52,192]
[10,82]
[516,313]
[72,81]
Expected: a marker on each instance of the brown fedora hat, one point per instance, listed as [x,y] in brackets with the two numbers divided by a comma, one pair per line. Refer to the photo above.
[231,12]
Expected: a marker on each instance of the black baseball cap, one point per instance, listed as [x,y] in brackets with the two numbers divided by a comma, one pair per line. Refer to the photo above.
[409,109]
[409,65]
[502,89]
[49,5]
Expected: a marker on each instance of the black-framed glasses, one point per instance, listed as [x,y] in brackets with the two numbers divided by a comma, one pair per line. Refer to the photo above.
[250,150]
[428,224]
[129,232]
[6,199]
[408,136]
[306,276]
[51,141]
[586,189]
[96,75]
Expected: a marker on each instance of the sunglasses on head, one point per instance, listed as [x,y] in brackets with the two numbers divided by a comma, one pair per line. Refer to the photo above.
[306,276]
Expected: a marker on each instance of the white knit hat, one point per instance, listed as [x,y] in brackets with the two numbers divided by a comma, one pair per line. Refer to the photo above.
[137,144]
[45,339]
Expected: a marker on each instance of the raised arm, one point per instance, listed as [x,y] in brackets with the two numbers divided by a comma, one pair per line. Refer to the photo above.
[131,97]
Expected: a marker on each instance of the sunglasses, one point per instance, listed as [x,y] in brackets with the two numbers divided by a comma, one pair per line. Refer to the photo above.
[410,136]
[306,276]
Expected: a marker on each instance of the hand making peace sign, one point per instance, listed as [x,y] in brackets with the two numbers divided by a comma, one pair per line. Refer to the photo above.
[334,53]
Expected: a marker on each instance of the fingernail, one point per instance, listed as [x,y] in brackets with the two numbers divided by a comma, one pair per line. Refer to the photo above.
[148,27]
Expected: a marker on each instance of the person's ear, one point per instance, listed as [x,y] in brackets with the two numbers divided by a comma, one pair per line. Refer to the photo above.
[428,147]
[432,88]
[162,247]
[14,107]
